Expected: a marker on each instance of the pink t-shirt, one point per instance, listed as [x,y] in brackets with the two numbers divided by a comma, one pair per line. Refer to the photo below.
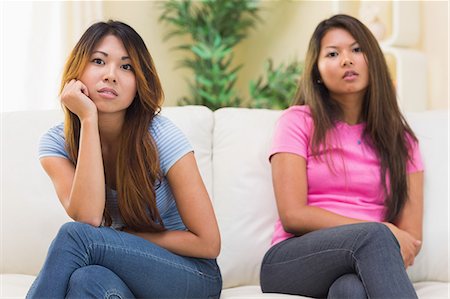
[354,189]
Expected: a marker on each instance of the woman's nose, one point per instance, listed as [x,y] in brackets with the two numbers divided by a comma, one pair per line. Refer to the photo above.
[110,75]
[346,61]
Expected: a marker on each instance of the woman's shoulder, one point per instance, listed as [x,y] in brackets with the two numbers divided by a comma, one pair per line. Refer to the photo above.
[297,111]
[171,142]
[57,131]
[297,116]
[160,124]
[52,142]
[164,130]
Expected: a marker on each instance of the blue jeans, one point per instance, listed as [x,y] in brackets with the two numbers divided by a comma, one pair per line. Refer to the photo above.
[100,262]
[349,261]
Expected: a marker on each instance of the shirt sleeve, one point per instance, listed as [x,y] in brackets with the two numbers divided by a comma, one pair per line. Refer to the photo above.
[171,143]
[52,143]
[292,132]
[415,164]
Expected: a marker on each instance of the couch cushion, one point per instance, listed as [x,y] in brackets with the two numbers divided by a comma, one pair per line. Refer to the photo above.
[243,194]
[15,285]
[432,289]
[425,290]
[253,291]
[431,128]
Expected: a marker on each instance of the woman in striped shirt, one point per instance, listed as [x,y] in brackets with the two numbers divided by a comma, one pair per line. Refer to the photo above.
[144,224]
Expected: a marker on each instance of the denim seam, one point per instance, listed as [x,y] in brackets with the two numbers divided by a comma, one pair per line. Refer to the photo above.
[112,292]
[357,270]
[140,253]
[358,273]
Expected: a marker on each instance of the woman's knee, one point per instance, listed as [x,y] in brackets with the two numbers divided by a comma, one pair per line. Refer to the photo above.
[347,286]
[71,235]
[378,234]
[72,227]
[74,231]
[95,281]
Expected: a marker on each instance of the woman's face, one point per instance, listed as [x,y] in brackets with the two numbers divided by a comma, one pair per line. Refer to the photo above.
[342,66]
[109,76]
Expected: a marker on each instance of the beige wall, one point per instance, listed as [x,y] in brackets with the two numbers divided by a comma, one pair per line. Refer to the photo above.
[283,35]
[434,44]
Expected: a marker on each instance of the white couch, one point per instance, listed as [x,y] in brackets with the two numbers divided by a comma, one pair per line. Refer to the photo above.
[231,147]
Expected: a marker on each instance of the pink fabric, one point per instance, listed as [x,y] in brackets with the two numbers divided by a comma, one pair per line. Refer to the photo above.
[354,190]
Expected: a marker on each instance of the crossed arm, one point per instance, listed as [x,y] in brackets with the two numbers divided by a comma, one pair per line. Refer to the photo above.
[290,186]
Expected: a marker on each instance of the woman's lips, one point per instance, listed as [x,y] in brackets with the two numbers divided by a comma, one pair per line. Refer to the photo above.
[350,75]
[107,92]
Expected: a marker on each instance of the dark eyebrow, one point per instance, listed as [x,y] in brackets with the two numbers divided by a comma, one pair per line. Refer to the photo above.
[106,55]
[334,47]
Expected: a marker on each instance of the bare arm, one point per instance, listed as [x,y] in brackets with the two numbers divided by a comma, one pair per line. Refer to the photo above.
[410,218]
[290,186]
[202,239]
[408,226]
[80,189]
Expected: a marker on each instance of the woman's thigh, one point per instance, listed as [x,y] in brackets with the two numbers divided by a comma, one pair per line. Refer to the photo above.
[149,271]
[308,265]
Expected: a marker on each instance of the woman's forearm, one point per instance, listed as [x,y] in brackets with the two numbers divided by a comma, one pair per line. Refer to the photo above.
[309,218]
[87,197]
[183,243]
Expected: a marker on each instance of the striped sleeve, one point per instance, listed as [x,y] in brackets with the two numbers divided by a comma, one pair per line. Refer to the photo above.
[52,143]
[172,144]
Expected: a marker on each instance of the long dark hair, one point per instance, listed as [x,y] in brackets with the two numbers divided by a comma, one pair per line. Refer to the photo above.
[386,128]
[137,160]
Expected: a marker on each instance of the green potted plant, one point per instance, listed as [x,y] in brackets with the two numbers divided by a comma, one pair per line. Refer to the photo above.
[214,28]
[279,87]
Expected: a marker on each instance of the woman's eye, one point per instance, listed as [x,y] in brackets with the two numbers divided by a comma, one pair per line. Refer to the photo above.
[332,54]
[98,61]
[357,50]
[127,67]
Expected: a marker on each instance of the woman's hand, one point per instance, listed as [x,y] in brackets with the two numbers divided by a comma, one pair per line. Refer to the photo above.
[75,96]
[409,246]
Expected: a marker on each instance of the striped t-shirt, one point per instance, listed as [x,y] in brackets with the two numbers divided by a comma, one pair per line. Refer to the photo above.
[171,144]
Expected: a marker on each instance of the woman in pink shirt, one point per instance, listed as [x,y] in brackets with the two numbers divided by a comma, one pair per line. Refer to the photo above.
[347,175]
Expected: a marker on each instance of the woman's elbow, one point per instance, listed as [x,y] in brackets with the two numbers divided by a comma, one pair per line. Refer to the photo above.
[211,249]
[93,220]
[290,222]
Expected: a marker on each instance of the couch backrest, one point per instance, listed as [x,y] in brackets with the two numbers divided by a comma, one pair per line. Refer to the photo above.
[30,213]
[237,142]
[432,130]
[243,193]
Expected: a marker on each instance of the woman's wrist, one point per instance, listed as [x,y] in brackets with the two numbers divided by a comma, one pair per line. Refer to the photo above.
[90,119]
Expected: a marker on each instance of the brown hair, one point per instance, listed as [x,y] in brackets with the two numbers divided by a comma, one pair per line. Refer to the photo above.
[386,128]
[137,162]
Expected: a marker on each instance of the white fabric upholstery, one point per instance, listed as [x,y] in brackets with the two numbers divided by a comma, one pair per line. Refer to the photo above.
[243,194]
[231,147]
[197,123]
[431,128]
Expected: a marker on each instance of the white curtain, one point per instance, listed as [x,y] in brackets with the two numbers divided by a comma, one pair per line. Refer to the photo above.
[36,38]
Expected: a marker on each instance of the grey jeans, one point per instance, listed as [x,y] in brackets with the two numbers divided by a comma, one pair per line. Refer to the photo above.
[349,261]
